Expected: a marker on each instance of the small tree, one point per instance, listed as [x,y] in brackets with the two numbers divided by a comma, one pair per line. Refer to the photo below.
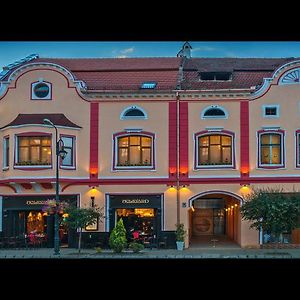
[78,218]
[117,239]
[272,210]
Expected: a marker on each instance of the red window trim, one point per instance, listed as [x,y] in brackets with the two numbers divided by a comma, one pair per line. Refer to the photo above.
[115,150]
[34,167]
[212,167]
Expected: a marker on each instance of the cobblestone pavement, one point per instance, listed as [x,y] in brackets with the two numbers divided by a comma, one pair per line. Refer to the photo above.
[191,253]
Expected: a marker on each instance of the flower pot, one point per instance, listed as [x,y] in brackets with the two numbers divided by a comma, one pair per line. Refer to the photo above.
[180,245]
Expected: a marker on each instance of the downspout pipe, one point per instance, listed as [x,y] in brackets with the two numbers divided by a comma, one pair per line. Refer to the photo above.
[177,156]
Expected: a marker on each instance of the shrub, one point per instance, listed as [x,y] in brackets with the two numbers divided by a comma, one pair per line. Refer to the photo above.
[98,249]
[180,232]
[136,247]
[117,239]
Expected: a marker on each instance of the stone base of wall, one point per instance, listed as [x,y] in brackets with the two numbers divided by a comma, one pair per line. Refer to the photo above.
[280,246]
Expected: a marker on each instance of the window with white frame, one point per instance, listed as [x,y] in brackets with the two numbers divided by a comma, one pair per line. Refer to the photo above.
[214,112]
[33,150]
[214,150]
[41,90]
[69,147]
[270,111]
[134,151]
[298,148]
[271,149]
[6,152]
[133,112]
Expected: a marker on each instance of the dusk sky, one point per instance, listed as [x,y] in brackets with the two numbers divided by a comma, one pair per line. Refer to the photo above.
[13,51]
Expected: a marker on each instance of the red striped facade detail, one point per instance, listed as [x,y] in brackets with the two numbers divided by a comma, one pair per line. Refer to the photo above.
[183,139]
[244,146]
[172,140]
[94,136]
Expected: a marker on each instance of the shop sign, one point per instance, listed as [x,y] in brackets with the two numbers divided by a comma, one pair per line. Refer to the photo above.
[127,201]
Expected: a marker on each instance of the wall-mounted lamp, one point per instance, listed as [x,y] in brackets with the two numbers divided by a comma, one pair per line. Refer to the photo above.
[245,184]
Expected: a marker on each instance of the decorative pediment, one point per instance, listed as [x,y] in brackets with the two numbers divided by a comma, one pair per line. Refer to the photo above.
[290,77]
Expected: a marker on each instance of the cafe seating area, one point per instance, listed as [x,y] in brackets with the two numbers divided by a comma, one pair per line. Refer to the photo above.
[23,242]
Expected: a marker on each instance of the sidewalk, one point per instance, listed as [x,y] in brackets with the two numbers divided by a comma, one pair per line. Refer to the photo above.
[203,253]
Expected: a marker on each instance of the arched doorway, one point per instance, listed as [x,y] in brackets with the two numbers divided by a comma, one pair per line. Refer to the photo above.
[214,219]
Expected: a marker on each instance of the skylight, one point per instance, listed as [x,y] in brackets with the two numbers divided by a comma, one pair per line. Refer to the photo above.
[148,85]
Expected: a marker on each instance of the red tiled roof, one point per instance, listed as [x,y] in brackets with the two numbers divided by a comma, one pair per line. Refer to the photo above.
[115,64]
[120,73]
[246,72]
[56,119]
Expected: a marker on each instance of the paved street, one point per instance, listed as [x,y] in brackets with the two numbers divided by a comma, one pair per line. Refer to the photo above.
[191,253]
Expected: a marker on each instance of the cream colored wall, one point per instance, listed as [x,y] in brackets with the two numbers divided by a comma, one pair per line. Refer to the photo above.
[245,235]
[196,124]
[287,96]
[110,123]
[100,192]
[64,100]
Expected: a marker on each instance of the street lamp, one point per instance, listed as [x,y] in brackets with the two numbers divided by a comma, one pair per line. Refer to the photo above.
[60,152]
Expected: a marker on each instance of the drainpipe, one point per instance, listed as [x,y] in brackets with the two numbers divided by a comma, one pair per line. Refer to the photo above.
[178,161]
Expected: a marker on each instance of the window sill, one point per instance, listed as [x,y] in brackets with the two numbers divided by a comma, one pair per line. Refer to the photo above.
[5,168]
[209,167]
[33,167]
[67,167]
[134,168]
[271,168]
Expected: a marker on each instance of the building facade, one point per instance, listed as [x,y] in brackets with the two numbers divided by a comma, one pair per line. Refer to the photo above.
[154,141]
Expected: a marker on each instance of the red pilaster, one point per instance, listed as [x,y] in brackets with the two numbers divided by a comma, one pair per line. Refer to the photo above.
[94,131]
[244,127]
[183,140]
[172,140]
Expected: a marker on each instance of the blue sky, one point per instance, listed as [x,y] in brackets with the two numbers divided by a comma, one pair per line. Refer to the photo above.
[13,51]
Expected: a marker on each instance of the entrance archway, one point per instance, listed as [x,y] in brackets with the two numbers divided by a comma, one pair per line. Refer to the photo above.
[215,215]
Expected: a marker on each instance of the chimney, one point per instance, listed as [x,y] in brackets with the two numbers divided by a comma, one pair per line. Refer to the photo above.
[185,50]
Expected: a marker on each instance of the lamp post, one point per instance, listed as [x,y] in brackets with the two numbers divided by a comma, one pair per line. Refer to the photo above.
[60,152]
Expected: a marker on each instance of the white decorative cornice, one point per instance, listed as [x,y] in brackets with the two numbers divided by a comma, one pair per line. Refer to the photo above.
[80,85]
[267,81]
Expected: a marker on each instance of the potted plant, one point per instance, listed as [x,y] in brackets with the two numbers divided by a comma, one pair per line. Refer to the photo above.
[180,235]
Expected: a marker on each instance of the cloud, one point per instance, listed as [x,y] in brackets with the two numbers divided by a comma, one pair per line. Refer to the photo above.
[121,56]
[127,51]
[203,48]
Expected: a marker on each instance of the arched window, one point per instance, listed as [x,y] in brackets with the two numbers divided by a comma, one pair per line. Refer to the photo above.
[134,151]
[214,112]
[133,112]
[214,149]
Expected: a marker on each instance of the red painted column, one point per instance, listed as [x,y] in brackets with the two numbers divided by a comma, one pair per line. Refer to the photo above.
[244,147]
[94,136]
[172,140]
[183,140]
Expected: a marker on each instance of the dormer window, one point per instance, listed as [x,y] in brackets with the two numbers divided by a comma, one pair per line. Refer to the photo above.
[133,112]
[41,90]
[215,76]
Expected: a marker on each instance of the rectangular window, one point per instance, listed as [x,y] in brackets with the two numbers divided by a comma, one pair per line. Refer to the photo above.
[215,150]
[69,160]
[271,111]
[35,150]
[134,151]
[271,149]
[6,152]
